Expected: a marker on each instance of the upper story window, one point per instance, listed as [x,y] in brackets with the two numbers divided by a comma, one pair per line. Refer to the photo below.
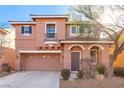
[74,30]
[26,30]
[50,28]
[80,30]
[103,35]
[85,29]
[50,31]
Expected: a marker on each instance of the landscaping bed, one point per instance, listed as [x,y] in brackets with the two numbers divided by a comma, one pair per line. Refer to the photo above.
[114,82]
[6,69]
[2,73]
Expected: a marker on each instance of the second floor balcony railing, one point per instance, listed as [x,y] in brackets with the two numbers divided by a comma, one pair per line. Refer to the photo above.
[50,37]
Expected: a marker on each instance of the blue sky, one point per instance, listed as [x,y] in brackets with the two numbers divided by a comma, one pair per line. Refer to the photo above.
[12,12]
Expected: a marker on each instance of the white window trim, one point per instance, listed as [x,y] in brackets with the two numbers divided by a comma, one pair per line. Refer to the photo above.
[26,34]
[77,27]
[50,42]
[46,23]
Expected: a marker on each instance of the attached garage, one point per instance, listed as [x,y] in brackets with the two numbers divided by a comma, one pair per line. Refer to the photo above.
[40,61]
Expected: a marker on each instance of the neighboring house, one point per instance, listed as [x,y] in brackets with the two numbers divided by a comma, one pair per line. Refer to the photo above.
[50,42]
[3,34]
[7,51]
[10,38]
[7,37]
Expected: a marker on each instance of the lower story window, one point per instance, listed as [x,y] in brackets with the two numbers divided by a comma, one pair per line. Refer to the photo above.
[94,56]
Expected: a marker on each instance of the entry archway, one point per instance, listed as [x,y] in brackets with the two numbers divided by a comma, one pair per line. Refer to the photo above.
[97,45]
[76,45]
[76,52]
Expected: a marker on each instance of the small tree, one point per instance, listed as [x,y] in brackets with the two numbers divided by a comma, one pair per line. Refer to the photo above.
[87,67]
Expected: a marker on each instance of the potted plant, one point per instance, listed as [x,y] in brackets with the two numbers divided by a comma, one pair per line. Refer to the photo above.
[80,74]
[101,71]
[65,73]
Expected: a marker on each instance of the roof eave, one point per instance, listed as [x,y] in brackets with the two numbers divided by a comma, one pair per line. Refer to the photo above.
[39,51]
[110,42]
[4,31]
[48,16]
[21,22]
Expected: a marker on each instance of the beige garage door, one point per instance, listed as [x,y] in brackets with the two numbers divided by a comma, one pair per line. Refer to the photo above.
[38,62]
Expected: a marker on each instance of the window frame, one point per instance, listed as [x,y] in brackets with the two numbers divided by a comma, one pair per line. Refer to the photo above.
[77,30]
[26,33]
[96,53]
[49,31]
[46,23]
[50,23]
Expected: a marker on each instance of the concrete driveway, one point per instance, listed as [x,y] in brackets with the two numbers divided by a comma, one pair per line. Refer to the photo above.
[31,79]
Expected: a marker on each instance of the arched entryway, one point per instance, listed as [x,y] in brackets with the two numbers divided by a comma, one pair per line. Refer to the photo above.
[76,52]
[95,53]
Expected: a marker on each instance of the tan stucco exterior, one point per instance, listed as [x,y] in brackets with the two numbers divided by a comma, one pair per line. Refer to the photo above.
[104,57]
[35,42]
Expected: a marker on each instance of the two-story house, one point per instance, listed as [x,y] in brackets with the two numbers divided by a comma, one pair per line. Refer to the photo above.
[50,42]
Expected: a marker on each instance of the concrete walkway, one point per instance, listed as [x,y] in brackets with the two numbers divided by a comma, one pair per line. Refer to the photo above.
[31,79]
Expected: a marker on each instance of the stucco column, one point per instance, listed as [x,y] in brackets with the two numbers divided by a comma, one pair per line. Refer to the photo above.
[18,59]
[67,58]
[61,60]
[105,57]
[85,53]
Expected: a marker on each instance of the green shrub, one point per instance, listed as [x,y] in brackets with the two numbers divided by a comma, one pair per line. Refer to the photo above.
[80,74]
[101,69]
[119,72]
[65,73]
[6,67]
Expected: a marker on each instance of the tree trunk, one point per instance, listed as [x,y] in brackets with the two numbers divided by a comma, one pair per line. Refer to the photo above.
[110,68]
[109,71]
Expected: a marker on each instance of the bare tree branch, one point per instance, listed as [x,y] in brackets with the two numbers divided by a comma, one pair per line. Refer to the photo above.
[93,13]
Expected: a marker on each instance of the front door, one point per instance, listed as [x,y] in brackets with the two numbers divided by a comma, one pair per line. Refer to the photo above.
[75,59]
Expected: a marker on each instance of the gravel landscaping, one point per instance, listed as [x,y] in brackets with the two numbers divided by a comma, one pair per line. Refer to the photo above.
[114,82]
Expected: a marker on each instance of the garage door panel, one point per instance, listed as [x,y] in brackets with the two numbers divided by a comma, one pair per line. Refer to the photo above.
[36,63]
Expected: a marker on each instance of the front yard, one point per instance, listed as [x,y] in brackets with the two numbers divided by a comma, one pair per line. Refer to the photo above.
[114,82]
